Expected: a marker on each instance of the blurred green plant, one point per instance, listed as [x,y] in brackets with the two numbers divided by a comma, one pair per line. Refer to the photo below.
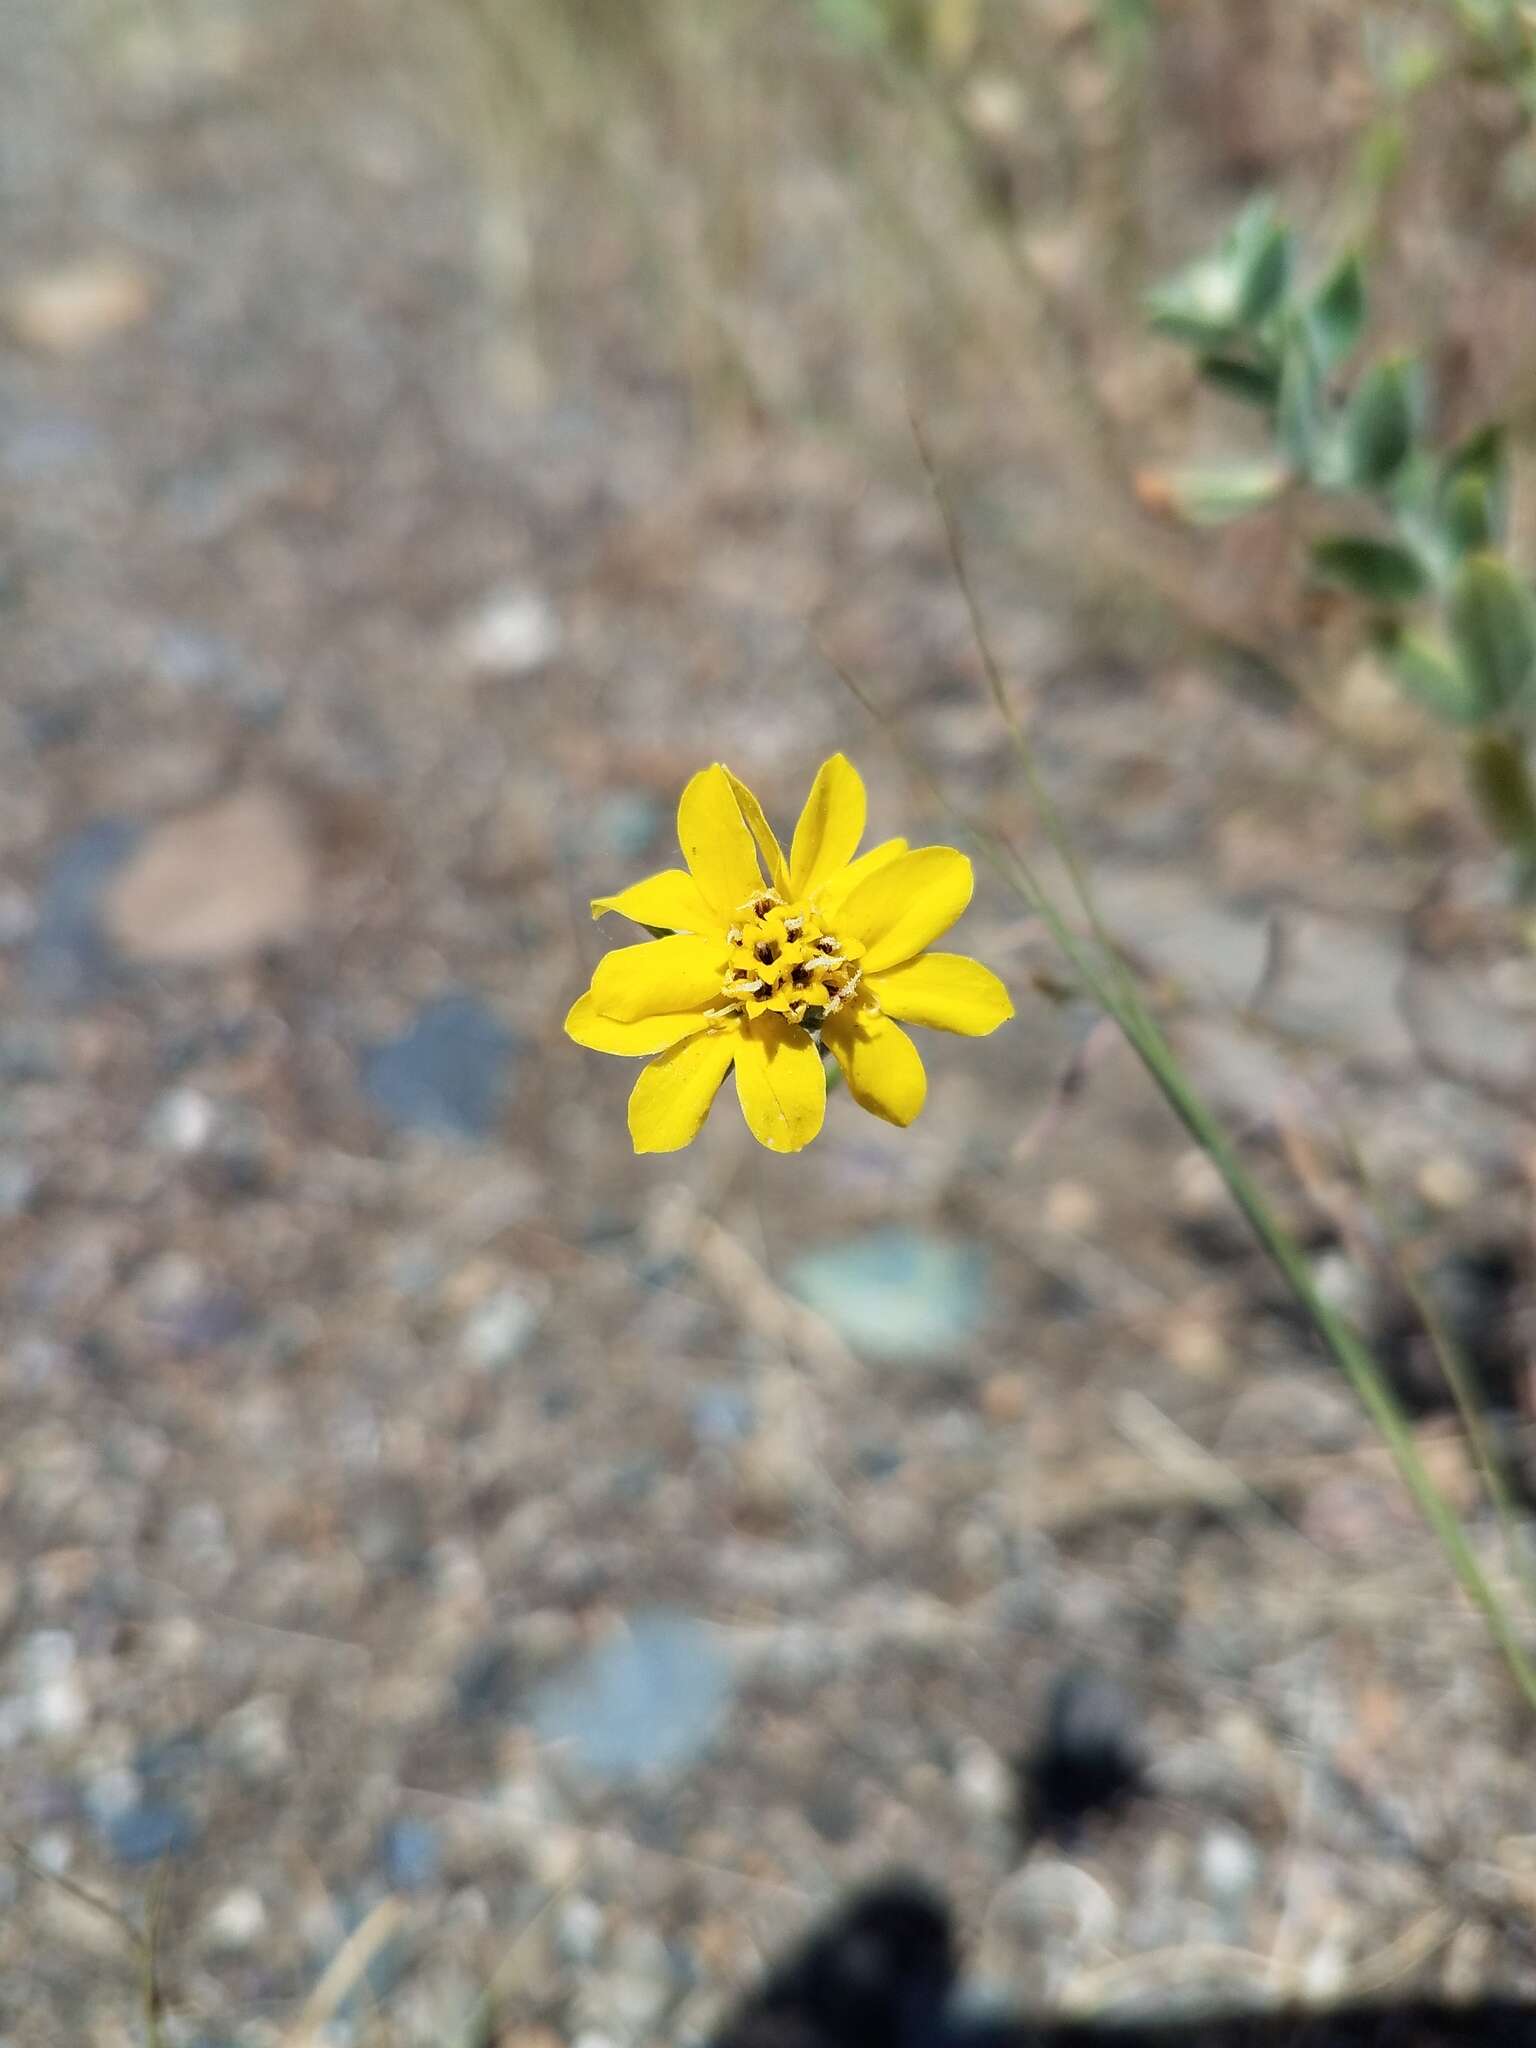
[1068,910]
[1504,32]
[1426,547]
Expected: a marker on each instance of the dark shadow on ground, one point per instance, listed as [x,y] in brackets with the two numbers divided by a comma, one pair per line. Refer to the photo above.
[884,1973]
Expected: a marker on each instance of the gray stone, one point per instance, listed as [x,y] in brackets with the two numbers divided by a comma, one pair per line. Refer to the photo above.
[69,960]
[150,1831]
[499,1330]
[412,1854]
[652,1699]
[897,1294]
[723,1415]
[512,632]
[447,1071]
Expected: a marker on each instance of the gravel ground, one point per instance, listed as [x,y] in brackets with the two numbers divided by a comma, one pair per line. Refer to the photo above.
[437,1547]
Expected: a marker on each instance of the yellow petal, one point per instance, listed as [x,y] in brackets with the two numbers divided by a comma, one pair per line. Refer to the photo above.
[906,904]
[767,845]
[781,1083]
[647,1034]
[879,1062]
[837,888]
[830,827]
[670,899]
[671,1099]
[945,991]
[658,977]
[717,843]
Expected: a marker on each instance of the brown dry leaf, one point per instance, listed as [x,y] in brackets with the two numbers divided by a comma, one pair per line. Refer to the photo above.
[219,883]
[75,308]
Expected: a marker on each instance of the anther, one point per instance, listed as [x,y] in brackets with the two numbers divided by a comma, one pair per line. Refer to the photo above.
[793,926]
[800,975]
[767,952]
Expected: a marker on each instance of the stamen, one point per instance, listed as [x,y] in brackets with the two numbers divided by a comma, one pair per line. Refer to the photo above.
[800,975]
[734,936]
[793,926]
[767,952]
[845,994]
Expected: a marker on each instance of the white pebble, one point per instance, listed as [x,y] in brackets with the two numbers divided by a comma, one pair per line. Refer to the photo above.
[579,1929]
[512,633]
[983,1781]
[59,1709]
[238,1921]
[46,1655]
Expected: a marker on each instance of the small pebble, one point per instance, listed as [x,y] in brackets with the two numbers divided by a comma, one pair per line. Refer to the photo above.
[18,1184]
[723,1415]
[412,1854]
[1230,1867]
[1005,1397]
[110,1793]
[1072,1208]
[254,1737]
[68,959]
[1195,1344]
[59,1708]
[446,1073]
[512,632]
[1447,1184]
[237,1921]
[150,1831]
[183,1122]
[499,1331]
[651,1698]
[897,1295]
[73,309]
[579,1929]
[983,1782]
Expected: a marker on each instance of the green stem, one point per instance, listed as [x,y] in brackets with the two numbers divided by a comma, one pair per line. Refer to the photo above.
[1349,1352]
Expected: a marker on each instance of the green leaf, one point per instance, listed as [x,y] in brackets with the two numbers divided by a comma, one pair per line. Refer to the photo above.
[1252,383]
[1431,675]
[1474,492]
[1469,515]
[1212,496]
[1234,288]
[1300,407]
[1264,272]
[1380,422]
[1337,312]
[1199,306]
[1380,570]
[1493,627]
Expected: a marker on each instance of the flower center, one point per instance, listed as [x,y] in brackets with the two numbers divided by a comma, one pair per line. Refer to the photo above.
[783,958]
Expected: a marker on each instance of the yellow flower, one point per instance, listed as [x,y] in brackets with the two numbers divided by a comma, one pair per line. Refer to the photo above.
[756,968]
